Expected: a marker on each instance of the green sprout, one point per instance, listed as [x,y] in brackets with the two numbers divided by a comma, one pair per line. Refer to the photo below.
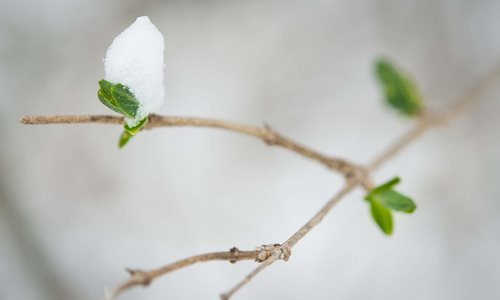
[118,98]
[383,200]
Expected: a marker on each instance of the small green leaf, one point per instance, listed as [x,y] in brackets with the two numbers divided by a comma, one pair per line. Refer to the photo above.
[125,100]
[105,87]
[391,199]
[118,98]
[383,199]
[388,185]
[382,216]
[109,102]
[395,201]
[124,138]
[136,128]
[400,92]
[104,95]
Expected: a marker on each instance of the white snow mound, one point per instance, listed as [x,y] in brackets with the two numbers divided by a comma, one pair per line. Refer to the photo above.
[135,59]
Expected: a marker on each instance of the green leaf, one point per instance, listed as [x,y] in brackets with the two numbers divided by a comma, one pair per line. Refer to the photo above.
[125,100]
[395,201]
[390,198]
[109,102]
[383,199]
[105,87]
[388,185]
[382,216]
[400,91]
[124,138]
[129,132]
[136,128]
[104,95]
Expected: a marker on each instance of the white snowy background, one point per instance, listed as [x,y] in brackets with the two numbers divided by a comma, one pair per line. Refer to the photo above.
[75,210]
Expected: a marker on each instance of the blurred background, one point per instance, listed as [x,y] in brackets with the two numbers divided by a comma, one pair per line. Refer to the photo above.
[75,210]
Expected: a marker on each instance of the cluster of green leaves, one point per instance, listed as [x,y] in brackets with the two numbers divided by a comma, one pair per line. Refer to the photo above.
[118,98]
[400,91]
[383,200]
[401,94]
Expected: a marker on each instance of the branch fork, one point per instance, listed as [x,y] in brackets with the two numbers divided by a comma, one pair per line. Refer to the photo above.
[266,251]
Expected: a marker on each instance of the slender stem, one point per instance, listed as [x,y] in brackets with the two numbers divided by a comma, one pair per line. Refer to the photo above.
[72,119]
[318,217]
[399,145]
[265,133]
[471,97]
[139,277]
[269,261]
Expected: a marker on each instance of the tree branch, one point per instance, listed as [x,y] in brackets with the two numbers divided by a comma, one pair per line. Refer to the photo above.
[355,175]
[265,133]
[144,278]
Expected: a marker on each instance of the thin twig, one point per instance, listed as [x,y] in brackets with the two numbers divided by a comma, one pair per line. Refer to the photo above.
[471,96]
[269,261]
[283,252]
[144,278]
[265,133]
[44,120]
[399,145]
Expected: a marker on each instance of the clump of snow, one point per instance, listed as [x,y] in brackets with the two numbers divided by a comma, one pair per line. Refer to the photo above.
[135,59]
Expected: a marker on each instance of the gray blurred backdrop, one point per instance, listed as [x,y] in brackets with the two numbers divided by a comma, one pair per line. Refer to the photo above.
[75,210]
